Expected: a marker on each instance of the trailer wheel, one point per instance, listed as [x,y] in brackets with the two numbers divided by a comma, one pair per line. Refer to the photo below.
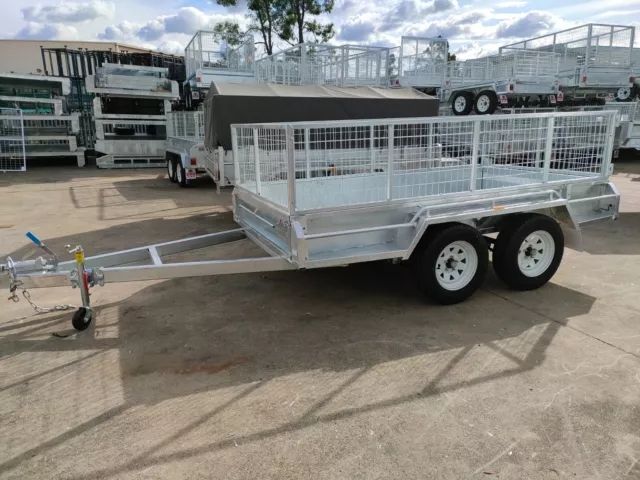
[181,175]
[452,264]
[82,319]
[528,251]
[171,169]
[462,103]
[623,94]
[486,102]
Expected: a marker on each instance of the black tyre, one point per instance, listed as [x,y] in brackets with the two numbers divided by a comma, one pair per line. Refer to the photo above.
[181,175]
[528,251]
[171,169]
[462,103]
[486,102]
[451,263]
[81,319]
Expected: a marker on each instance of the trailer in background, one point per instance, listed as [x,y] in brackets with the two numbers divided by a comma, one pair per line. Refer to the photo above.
[216,57]
[422,63]
[512,77]
[323,64]
[595,60]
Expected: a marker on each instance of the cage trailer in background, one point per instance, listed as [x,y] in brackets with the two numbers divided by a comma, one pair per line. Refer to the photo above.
[421,63]
[322,64]
[422,190]
[215,57]
[228,103]
[506,79]
[595,61]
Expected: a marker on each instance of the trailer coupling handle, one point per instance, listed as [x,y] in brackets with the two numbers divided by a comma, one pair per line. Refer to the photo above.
[40,244]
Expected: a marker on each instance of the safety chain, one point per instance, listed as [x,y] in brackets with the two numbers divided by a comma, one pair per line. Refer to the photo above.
[38,308]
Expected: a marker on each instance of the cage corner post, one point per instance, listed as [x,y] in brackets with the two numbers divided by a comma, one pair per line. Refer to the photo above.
[291,167]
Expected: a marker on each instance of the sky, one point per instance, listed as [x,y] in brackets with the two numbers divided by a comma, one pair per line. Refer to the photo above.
[473,27]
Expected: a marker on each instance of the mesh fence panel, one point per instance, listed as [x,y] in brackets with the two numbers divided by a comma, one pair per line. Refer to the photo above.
[352,163]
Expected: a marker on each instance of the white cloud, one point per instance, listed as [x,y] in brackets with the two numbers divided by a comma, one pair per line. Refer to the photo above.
[438,6]
[124,31]
[356,31]
[509,4]
[187,21]
[465,25]
[69,12]
[36,31]
[171,46]
[527,25]
[408,11]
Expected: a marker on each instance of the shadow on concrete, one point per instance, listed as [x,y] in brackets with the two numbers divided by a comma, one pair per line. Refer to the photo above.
[259,327]
[618,237]
[116,196]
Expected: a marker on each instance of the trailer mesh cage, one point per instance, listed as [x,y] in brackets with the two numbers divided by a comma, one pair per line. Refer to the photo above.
[319,64]
[213,50]
[186,124]
[524,65]
[423,60]
[593,54]
[310,166]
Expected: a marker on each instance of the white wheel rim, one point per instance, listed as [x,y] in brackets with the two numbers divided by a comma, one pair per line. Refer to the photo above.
[456,265]
[460,104]
[179,174]
[536,253]
[170,168]
[624,93]
[483,103]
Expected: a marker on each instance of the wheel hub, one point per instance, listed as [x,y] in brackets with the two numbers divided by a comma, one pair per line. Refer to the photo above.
[536,253]
[624,93]
[460,104]
[483,103]
[456,265]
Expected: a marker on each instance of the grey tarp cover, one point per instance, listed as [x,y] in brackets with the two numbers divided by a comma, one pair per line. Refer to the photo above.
[229,103]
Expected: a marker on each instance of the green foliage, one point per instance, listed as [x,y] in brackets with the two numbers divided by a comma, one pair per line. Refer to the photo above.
[229,32]
[289,20]
[297,20]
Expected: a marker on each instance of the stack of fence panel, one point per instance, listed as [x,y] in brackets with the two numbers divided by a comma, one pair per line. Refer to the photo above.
[49,131]
[130,110]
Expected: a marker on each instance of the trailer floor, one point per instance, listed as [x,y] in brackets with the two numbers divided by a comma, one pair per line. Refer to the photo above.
[335,374]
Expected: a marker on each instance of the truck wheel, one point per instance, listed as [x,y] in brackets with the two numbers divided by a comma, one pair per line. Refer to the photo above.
[528,251]
[171,169]
[452,264]
[462,103]
[181,175]
[486,102]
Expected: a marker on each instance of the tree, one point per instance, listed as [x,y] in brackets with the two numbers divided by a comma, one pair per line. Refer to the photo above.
[296,21]
[451,57]
[265,17]
[229,32]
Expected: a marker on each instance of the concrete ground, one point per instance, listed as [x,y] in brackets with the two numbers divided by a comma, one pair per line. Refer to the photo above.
[333,374]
